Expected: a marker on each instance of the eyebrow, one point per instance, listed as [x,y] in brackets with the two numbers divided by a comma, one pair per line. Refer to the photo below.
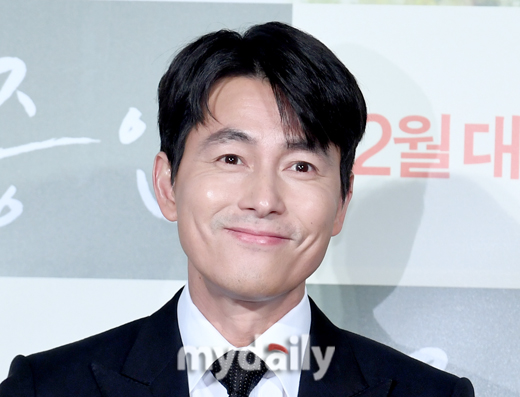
[300,144]
[225,135]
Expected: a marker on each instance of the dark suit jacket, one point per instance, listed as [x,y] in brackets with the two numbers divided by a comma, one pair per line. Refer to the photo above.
[140,359]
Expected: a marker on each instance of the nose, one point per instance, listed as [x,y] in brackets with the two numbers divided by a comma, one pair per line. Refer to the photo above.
[261,193]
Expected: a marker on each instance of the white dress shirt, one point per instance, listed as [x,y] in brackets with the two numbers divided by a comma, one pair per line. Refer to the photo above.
[281,380]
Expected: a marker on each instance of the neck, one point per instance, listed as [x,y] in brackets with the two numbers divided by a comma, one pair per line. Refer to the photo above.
[240,319]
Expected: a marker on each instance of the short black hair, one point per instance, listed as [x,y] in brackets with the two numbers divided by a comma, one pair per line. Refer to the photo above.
[316,94]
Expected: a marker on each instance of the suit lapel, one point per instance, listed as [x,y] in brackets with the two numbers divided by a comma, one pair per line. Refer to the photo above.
[150,368]
[113,384]
[344,376]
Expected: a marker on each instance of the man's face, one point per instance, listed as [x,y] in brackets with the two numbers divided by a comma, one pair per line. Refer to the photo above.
[255,209]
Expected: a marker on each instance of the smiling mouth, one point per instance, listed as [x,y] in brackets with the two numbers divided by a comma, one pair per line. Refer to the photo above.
[258,237]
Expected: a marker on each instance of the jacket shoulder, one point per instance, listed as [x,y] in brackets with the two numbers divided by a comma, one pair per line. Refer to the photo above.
[69,366]
[410,377]
[364,365]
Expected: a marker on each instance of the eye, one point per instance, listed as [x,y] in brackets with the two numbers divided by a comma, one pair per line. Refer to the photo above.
[230,159]
[302,166]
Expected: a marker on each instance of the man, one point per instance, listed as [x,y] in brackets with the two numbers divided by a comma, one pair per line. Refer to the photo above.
[258,138]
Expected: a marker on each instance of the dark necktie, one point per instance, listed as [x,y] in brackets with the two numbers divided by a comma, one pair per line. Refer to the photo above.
[240,373]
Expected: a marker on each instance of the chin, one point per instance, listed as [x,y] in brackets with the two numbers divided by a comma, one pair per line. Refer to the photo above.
[255,289]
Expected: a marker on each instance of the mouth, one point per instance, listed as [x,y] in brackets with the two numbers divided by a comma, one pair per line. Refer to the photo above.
[258,237]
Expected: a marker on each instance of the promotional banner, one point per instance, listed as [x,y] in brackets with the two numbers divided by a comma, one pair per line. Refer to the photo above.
[437,189]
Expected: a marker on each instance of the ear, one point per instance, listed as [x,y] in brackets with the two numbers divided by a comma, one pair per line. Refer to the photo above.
[162,185]
[342,208]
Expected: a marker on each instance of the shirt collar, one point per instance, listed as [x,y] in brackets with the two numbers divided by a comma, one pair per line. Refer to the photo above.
[197,331]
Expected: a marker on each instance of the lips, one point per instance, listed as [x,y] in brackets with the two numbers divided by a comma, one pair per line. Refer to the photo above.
[254,236]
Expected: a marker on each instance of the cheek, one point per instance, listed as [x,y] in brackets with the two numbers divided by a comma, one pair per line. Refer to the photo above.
[200,199]
[198,202]
[316,210]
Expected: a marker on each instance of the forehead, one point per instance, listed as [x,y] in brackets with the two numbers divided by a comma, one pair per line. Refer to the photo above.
[248,105]
[243,99]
